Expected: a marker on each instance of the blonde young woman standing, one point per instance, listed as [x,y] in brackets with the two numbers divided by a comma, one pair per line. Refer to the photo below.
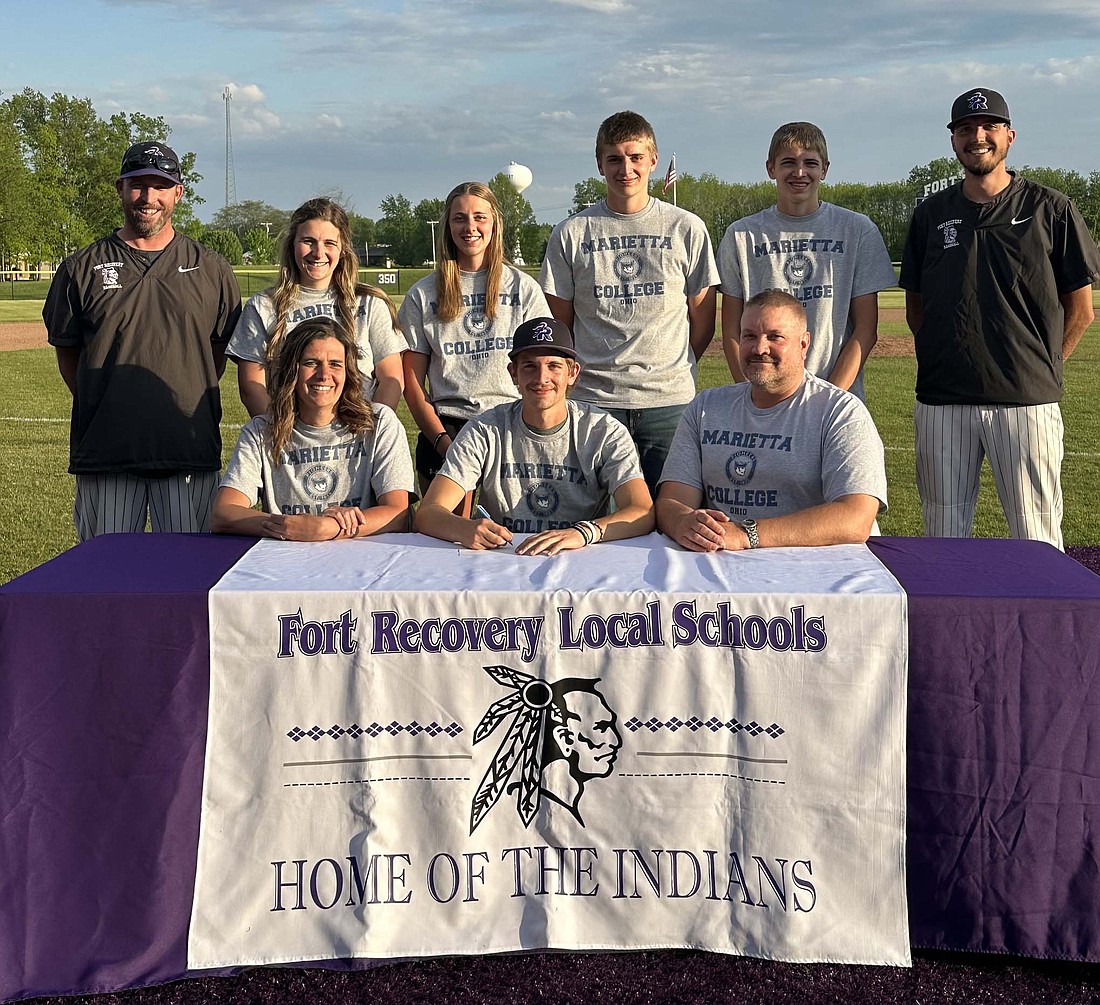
[318,277]
[459,323]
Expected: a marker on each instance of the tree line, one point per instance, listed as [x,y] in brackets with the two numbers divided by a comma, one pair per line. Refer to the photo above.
[405,232]
[58,165]
[59,160]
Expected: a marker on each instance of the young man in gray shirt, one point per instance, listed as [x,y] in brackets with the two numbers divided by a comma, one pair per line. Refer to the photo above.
[833,261]
[546,466]
[781,459]
[634,278]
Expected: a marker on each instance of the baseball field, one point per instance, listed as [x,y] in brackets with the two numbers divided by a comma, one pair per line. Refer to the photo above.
[36,492]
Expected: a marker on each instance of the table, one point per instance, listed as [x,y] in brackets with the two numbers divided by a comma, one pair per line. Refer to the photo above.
[101,810]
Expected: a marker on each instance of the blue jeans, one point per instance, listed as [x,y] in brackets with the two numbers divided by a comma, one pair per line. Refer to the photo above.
[651,429]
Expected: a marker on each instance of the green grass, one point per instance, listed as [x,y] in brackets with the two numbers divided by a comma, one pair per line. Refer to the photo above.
[20,310]
[24,289]
[36,492]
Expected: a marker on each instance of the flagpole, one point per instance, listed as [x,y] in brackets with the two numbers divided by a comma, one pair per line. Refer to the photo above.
[674,176]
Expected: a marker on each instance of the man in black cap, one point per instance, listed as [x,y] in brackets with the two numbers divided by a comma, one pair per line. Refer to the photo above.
[546,466]
[140,320]
[997,273]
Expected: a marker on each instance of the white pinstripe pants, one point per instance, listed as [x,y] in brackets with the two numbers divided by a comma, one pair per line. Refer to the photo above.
[1024,446]
[117,504]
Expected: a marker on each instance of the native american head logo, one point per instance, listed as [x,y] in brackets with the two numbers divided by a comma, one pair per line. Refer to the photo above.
[798,269]
[562,734]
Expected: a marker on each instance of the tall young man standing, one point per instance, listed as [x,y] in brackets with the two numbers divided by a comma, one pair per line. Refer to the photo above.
[634,278]
[833,261]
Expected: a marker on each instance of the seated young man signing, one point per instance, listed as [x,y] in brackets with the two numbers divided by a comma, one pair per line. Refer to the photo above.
[545,465]
[781,459]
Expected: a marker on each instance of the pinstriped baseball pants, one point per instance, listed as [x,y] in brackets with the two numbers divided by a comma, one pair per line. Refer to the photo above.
[1024,447]
[116,504]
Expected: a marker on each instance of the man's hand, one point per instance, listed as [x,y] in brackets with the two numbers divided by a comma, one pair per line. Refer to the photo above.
[552,542]
[700,530]
[484,535]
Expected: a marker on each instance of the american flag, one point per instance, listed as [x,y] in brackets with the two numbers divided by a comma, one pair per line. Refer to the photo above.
[670,175]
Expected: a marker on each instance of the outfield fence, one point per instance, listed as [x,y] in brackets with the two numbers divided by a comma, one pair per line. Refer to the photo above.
[34,284]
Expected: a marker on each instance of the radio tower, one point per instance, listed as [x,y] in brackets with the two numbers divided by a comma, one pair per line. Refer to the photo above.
[230,173]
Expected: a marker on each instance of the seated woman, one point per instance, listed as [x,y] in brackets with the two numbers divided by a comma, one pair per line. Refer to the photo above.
[545,465]
[325,463]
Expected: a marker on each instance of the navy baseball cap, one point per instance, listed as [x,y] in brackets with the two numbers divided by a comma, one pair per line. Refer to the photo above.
[152,158]
[547,334]
[979,101]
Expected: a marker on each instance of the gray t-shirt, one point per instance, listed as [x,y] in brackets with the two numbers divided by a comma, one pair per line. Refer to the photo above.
[814,447]
[534,481]
[374,331]
[629,278]
[824,260]
[322,465]
[468,357]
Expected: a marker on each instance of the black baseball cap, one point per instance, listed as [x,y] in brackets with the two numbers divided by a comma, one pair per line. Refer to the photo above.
[979,101]
[152,158]
[548,334]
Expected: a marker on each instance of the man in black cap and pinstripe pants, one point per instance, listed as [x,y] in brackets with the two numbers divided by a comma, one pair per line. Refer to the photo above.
[140,320]
[997,273]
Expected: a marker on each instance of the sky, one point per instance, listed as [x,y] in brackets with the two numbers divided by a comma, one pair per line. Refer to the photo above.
[377,97]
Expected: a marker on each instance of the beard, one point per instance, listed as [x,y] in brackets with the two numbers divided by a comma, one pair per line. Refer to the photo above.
[768,377]
[983,165]
[146,226]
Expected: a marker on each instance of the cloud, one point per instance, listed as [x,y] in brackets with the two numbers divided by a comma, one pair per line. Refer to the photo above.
[416,95]
[600,6]
[250,114]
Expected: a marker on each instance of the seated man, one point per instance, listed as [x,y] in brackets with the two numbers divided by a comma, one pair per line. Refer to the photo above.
[546,465]
[784,458]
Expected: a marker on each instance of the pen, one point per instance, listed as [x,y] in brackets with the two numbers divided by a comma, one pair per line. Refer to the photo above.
[481,511]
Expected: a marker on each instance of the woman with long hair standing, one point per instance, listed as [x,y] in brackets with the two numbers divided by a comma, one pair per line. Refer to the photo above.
[459,323]
[318,277]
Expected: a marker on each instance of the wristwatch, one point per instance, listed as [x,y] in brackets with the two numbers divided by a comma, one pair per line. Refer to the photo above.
[749,527]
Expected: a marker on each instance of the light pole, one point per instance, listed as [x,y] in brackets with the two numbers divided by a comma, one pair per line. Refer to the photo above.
[431,223]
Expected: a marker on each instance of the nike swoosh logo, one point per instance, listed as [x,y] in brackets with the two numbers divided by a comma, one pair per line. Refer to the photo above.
[194,267]
[1023,219]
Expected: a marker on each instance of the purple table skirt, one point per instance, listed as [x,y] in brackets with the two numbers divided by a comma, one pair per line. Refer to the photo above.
[104,675]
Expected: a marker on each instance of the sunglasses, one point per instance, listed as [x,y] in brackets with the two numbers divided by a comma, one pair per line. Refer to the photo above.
[137,161]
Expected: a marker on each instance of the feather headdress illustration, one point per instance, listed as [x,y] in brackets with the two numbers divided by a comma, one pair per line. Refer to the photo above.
[565,724]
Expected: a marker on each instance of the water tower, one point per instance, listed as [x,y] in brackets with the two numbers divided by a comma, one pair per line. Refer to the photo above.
[519,177]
